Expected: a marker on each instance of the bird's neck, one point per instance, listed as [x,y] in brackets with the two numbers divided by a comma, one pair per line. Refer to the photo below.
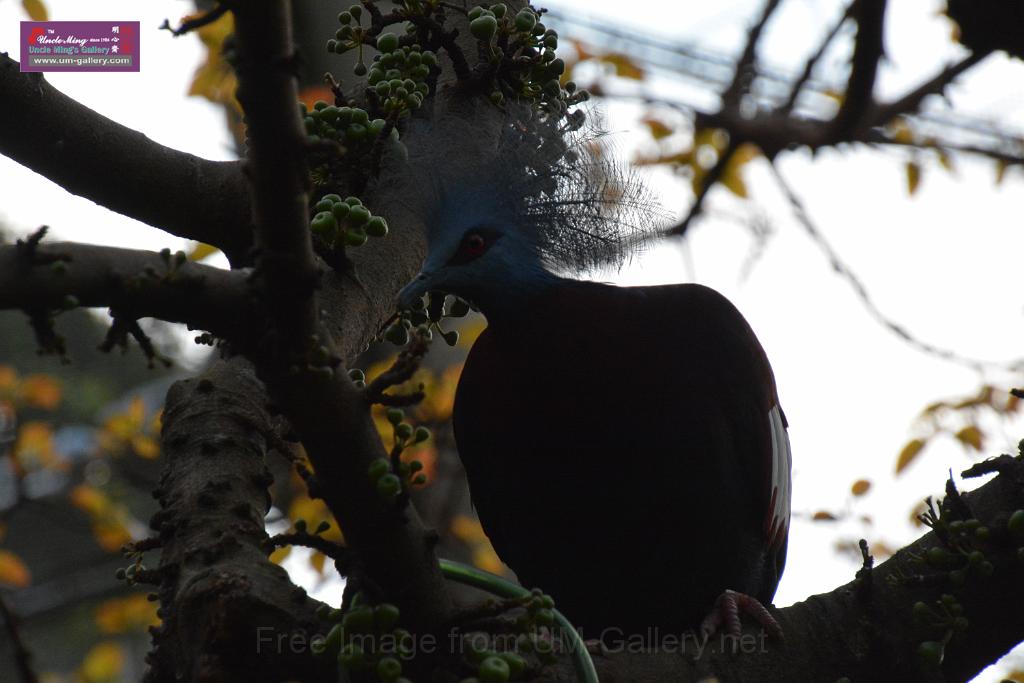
[507,303]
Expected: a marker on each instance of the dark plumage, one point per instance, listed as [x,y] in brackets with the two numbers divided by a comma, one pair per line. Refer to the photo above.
[624,446]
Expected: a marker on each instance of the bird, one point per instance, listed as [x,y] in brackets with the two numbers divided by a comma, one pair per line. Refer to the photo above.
[624,446]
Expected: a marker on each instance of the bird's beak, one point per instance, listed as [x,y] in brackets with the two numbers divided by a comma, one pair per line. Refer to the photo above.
[419,286]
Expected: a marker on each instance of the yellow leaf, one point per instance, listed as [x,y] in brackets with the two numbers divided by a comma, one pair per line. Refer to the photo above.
[8,380]
[945,160]
[485,558]
[468,529]
[1001,166]
[913,177]
[34,449]
[145,447]
[35,9]
[971,437]
[732,177]
[860,487]
[624,66]
[909,452]
[901,132]
[658,128]
[317,561]
[13,571]
[103,663]
[279,555]
[733,182]
[824,516]
[41,391]
[122,615]
[835,95]
[215,79]
[201,251]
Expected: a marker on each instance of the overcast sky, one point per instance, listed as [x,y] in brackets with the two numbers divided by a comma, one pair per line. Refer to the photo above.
[945,264]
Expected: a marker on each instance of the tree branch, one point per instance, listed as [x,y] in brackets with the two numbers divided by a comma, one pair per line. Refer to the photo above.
[746,65]
[132,282]
[869,629]
[812,61]
[867,52]
[883,113]
[844,271]
[322,403]
[91,156]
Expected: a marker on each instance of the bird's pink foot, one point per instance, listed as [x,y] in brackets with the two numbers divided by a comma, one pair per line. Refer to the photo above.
[727,613]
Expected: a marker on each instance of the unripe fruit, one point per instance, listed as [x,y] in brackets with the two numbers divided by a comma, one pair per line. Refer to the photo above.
[499,10]
[353,201]
[388,486]
[359,619]
[378,468]
[494,670]
[395,416]
[355,132]
[324,224]
[930,654]
[516,664]
[387,42]
[355,238]
[323,205]
[389,669]
[483,27]
[386,616]
[397,335]
[340,210]
[332,198]
[525,20]
[1015,525]
[376,227]
[358,215]
[403,430]
[420,435]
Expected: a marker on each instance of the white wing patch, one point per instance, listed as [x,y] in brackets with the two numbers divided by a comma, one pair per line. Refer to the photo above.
[777,523]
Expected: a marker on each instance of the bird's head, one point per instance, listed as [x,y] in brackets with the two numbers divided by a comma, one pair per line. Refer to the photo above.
[476,251]
[541,199]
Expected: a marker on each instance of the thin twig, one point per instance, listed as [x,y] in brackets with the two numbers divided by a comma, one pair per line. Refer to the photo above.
[862,293]
[812,61]
[707,182]
[908,103]
[746,64]
[868,50]
[196,22]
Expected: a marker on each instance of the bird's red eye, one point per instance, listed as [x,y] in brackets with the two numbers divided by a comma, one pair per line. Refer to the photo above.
[474,244]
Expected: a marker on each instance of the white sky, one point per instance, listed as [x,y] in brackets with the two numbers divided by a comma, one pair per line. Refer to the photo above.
[945,264]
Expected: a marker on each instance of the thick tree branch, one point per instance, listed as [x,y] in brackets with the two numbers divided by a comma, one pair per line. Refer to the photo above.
[132,282]
[867,630]
[867,52]
[229,613]
[89,155]
[324,406]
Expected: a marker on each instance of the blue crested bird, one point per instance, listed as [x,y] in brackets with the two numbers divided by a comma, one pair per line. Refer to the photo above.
[624,446]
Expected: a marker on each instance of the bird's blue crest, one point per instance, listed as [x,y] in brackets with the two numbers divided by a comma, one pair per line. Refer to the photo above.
[555,183]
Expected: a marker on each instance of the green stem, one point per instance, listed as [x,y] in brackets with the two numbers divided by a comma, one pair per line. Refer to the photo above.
[471,576]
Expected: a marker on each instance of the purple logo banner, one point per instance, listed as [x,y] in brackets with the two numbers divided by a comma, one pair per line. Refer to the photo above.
[79,46]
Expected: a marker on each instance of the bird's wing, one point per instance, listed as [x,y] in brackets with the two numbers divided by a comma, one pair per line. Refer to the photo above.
[777,517]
